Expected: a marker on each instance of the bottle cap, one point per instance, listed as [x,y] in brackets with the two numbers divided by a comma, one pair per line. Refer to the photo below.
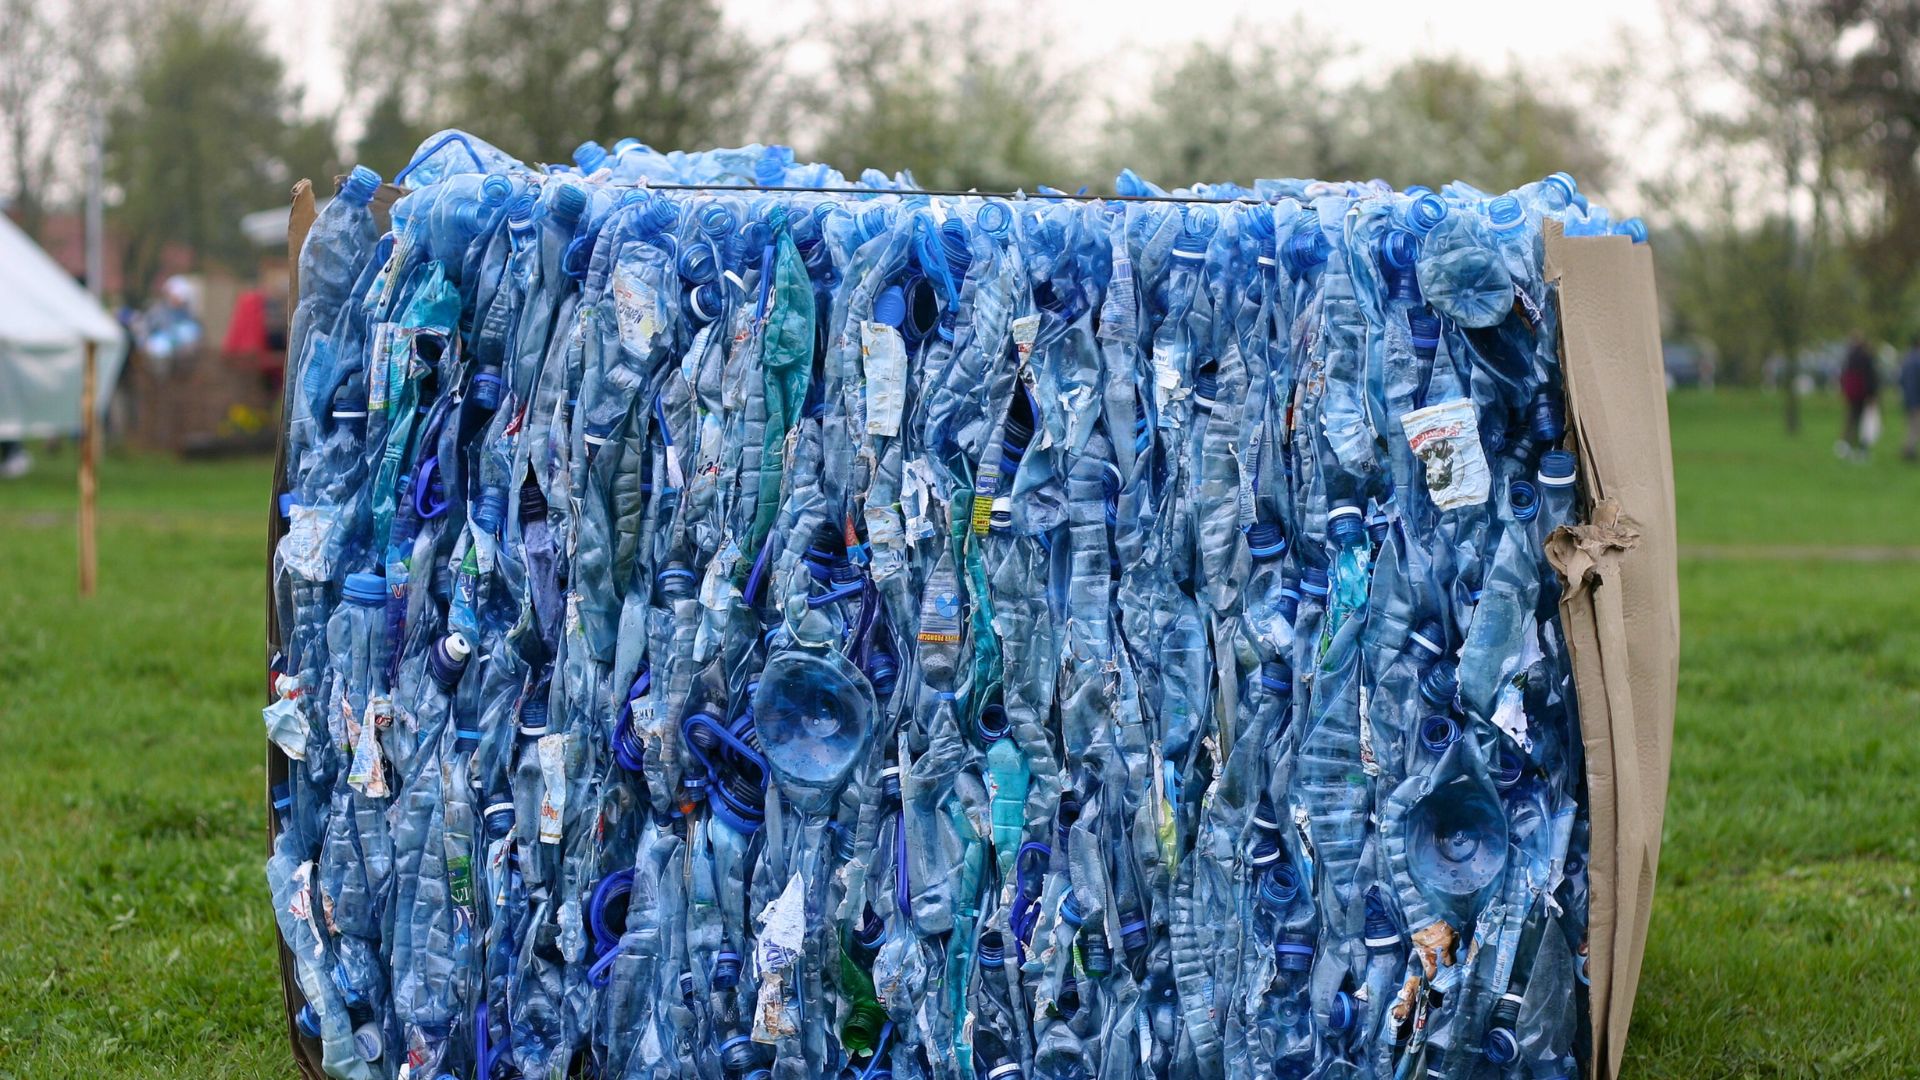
[890,307]
[1426,211]
[569,202]
[1275,677]
[1342,1011]
[1501,1047]
[1506,214]
[366,589]
[1556,469]
[1344,524]
[1313,582]
[366,1039]
[1438,732]
[1294,952]
[309,1021]
[1427,638]
[1522,500]
[1266,541]
[359,186]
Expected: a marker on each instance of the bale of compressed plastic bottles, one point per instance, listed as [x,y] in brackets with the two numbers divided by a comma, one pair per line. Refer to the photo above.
[735,622]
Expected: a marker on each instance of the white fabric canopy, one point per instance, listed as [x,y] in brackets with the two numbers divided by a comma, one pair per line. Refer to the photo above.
[46,319]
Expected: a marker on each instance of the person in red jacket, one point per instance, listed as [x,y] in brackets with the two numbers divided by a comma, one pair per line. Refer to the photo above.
[1859,386]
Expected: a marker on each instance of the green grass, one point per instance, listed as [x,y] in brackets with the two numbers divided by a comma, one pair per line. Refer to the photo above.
[135,938]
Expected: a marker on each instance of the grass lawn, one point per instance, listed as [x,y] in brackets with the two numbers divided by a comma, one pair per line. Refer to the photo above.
[135,936]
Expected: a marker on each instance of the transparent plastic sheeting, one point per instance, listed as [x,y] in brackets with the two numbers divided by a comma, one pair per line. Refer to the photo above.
[745,635]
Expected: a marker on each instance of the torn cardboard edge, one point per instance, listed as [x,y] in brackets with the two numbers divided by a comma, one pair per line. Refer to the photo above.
[1619,605]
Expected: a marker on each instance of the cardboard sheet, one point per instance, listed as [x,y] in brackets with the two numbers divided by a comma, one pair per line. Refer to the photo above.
[1621,604]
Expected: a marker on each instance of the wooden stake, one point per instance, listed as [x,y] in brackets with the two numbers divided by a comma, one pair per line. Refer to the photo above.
[89,438]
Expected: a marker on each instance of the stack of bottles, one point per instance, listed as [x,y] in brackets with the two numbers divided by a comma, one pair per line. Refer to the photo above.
[740,623]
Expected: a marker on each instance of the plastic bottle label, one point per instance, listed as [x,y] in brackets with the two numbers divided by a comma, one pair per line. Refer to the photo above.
[636,310]
[884,356]
[1446,439]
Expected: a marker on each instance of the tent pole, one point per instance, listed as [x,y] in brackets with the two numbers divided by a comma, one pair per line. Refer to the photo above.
[89,438]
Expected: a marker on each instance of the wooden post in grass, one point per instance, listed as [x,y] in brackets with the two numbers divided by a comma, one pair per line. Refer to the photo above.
[89,436]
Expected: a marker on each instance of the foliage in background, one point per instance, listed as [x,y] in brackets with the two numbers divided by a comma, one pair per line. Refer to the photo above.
[538,77]
[1255,105]
[206,130]
[958,99]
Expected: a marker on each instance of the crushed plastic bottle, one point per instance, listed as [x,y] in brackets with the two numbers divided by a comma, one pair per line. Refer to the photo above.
[754,634]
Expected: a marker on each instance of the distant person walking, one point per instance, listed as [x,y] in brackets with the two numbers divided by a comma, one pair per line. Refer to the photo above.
[1910,398]
[1859,386]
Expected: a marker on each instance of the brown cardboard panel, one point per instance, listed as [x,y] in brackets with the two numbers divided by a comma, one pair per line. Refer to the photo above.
[1622,603]
[306,1055]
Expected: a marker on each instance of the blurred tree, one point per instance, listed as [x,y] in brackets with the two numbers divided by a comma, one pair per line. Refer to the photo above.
[27,91]
[207,131]
[1255,105]
[1782,161]
[958,99]
[56,65]
[538,76]
[1262,105]
[1435,120]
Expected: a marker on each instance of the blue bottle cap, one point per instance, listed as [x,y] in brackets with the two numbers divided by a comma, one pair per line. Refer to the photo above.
[1345,524]
[1399,249]
[1313,582]
[1506,214]
[1440,685]
[1501,1046]
[1206,387]
[1264,852]
[1438,732]
[1632,228]
[1294,952]
[533,716]
[367,1040]
[1279,886]
[1560,189]
[364,588]
[360,185]
[706,301]
[1543,419]
[1423,327]
[1342,1011]
[1509,767]
[486,389]
[495,190]
[309,1021]
[499,819]
[1264,817]
[1380,934]
[1304,250]
[1266,541]
[1428,638]
[491,511]
[726,968]
[957,247]
[1070,912]
[1276,678]
[1522,500]
[1426,211]
[569,202]
[589,156]
[993,724]
[287,504]
[448,659]
[1556,469]
[699,263]
[890,307]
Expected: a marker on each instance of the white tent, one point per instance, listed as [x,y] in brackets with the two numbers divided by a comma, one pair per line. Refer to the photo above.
[46,319]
